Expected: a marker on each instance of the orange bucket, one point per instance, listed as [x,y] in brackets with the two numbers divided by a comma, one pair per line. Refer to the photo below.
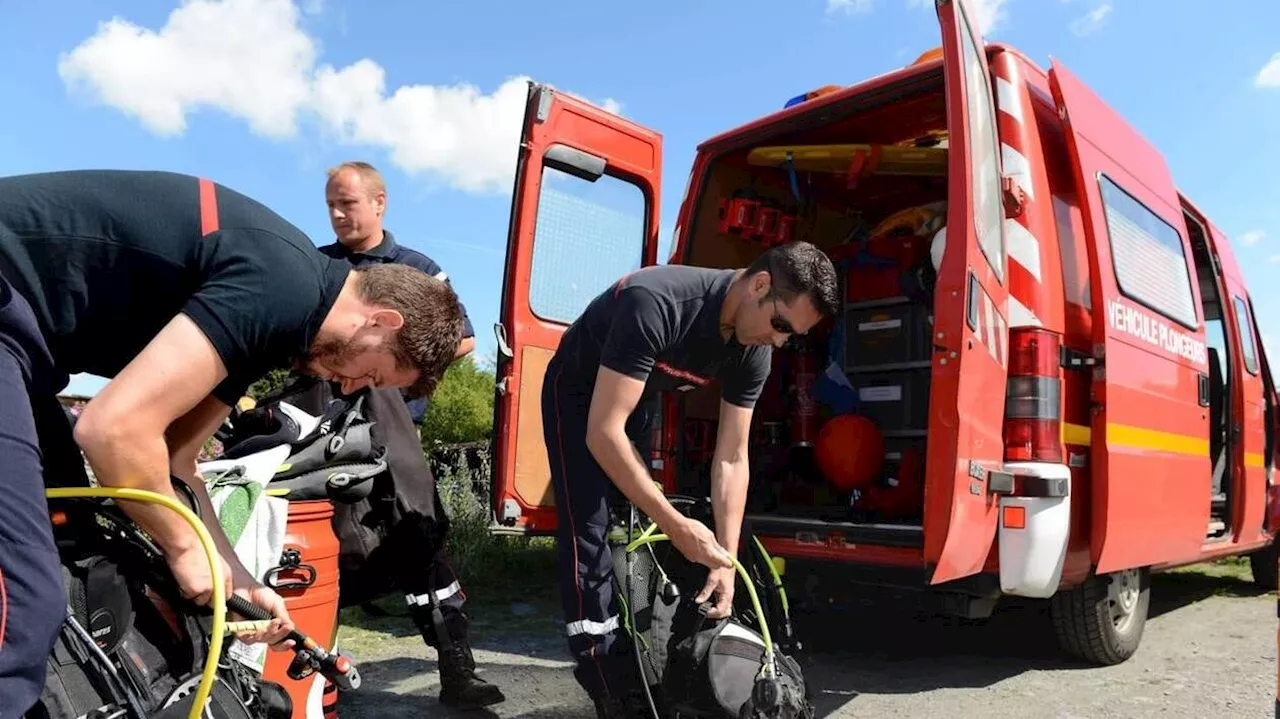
[307,579]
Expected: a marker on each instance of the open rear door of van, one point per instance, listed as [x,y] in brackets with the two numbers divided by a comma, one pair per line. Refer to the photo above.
[584,212]
[971,331]
[1149,439]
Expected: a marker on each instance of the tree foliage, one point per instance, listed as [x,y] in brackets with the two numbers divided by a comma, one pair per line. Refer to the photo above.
[461,409]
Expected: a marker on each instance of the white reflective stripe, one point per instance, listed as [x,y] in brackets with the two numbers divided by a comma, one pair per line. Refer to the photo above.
[425,599]
[441,276]
[1020,316]
[1016,166]
[1007,100]
[586,626]
[1024,248]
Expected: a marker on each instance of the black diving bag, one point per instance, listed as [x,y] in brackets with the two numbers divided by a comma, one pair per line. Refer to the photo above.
[130,646]
[699,667]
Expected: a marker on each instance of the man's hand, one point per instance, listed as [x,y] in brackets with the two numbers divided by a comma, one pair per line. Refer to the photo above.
[720,584]
[696,542]
[281,624]
[190,567]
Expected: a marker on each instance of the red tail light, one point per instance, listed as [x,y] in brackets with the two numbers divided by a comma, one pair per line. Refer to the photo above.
[1033,402]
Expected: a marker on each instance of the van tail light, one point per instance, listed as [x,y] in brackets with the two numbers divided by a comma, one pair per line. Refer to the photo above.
[1033,407]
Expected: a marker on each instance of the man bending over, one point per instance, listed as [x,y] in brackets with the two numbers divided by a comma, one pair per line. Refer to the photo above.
[667,328]
[182,292]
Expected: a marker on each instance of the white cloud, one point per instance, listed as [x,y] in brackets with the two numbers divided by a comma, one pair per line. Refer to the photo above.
[850,7]
[1274,259]
[1269,75]
[989,14]
[251,60]
[1250,238]
[1091,21]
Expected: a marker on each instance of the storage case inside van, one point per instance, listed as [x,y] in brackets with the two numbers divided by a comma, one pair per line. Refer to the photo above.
[865,180]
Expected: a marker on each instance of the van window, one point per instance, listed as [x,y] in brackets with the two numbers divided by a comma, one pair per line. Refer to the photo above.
[1149,257]
[984,150]
[1247,340]
[1075,268]
[587,235]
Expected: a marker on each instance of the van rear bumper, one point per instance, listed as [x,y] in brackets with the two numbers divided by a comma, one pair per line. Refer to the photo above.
[836,534]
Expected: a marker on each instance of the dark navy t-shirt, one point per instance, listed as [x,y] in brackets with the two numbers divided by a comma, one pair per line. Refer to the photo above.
[107,258]
[662,325]
[390,251]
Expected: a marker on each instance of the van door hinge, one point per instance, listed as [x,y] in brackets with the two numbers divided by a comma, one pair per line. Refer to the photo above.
[1075,359]
[1014,198]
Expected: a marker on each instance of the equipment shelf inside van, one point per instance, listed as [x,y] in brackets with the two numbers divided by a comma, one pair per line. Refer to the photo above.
[867,183]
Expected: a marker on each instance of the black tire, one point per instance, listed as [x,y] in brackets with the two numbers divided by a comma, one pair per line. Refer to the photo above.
[1086,622]
[1264,565]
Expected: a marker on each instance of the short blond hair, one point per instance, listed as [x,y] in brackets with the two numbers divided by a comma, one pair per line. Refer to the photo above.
[367,172]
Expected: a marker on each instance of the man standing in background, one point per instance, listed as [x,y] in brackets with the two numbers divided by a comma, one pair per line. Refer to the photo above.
[357,200]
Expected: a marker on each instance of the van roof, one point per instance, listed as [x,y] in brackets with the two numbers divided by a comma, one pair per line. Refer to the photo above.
[917,69]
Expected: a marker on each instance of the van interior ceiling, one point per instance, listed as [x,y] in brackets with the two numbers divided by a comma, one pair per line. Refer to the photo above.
[867,184]
[1220,379]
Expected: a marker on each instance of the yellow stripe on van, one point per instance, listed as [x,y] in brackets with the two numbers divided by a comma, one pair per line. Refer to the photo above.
[1076,434]
[1143,438]
[1255,459]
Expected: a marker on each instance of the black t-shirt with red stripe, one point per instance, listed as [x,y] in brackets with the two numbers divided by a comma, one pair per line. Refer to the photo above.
[106,258]
[662,325]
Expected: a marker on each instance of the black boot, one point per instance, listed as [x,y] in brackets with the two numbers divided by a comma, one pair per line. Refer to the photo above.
[459,686]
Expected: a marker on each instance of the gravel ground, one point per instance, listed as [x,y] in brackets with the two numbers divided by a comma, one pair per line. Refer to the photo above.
[1209,650]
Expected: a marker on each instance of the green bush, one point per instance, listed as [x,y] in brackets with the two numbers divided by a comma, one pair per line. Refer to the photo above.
[461,409]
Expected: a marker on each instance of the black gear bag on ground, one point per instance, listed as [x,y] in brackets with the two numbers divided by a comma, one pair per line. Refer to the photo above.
[131,647]
[699,667]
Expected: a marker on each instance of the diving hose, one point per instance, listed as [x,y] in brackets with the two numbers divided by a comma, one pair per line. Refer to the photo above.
[218,602]
[648,536]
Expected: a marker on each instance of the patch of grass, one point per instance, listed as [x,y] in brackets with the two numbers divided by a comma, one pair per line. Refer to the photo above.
[1226,577]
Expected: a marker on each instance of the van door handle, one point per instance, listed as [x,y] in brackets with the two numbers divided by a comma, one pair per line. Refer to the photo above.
[1204,390]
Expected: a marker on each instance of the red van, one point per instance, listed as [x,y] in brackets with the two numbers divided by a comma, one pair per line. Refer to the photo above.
[1056,347]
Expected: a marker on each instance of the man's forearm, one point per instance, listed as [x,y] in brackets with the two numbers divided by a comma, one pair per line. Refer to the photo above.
[121,459]
[185,471]
[729,481]
[624,466]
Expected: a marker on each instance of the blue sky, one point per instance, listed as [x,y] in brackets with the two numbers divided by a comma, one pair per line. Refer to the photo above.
[263,95]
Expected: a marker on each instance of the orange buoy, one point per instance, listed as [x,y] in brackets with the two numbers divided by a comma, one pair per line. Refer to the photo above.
[307,579]
[849,451]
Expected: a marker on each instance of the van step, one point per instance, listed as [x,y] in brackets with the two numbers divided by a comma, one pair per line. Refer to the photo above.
[819,531]
[1216,526]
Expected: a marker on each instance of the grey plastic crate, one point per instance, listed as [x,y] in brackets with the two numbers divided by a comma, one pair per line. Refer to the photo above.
[892,336]
[896,401]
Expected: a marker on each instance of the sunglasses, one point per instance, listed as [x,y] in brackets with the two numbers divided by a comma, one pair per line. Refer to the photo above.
[780,324]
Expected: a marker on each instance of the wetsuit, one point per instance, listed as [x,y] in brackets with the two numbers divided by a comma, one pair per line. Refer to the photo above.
[659,325]
[93,264]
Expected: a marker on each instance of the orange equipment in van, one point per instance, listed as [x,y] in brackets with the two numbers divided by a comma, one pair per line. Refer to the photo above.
[1056,345]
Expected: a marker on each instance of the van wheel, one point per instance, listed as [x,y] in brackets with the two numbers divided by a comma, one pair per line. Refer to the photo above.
[1263,563]
[1101,620]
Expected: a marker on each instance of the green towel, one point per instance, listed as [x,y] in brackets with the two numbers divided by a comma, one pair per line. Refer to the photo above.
[234,497]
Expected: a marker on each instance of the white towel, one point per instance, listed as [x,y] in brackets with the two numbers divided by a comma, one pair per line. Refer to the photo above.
[259,536]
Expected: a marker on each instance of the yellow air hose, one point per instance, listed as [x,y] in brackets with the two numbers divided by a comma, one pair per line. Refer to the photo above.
[648,537]
[219,602]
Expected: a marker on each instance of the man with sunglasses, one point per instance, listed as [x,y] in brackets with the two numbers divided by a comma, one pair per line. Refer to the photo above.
[661,329]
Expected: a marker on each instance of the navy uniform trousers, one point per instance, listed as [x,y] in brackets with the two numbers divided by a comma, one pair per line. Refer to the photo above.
[32,598]
[587,505]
